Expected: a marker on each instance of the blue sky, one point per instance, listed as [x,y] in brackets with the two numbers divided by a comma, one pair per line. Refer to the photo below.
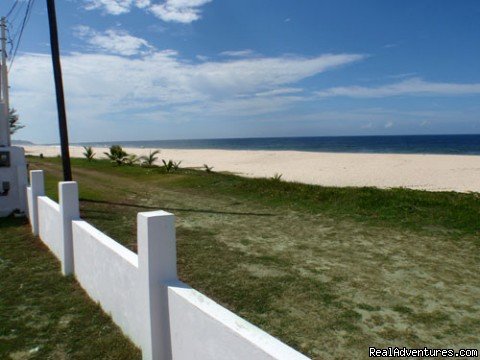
[180,69]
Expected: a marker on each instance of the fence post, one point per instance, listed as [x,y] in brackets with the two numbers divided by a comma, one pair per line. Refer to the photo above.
[69,211]
[157,258]
[36,189]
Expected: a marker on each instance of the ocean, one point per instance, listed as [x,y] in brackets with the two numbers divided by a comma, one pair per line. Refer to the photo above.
[411,144]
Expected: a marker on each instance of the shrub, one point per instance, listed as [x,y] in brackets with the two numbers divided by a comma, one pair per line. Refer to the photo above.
[117,155]
[89,154]
[176,165]
[277,177]
[131,159]
[168,166]
[150,159]
[207,168]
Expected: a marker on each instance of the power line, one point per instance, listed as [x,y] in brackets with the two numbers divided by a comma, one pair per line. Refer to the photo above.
[14,16]
[26,17]
[12,8]
[22,28]
[12,36]
[11,21]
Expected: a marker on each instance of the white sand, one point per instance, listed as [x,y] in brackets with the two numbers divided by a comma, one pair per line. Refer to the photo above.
[427,172]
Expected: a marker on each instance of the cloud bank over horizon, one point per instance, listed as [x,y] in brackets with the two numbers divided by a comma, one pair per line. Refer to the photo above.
[412,86]
[162,85]
[158,69]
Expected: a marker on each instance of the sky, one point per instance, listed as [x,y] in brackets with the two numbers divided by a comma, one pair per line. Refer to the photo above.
[193,69]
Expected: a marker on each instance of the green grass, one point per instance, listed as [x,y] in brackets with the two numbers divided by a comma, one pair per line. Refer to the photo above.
[44,315]
[403,208]
[330,271]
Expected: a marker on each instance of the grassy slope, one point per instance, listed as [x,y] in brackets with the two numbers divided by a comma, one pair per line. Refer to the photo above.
[44,315]
[330,271]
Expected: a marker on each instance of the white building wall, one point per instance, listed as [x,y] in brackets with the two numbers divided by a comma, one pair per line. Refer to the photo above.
[16,176]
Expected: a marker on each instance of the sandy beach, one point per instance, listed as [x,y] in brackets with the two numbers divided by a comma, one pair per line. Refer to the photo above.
[425,172]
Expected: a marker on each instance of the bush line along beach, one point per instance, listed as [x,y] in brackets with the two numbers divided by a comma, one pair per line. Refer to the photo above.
[415,171]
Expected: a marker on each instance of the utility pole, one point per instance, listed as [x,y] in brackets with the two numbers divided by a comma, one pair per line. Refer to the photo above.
[4,78]
[57,72]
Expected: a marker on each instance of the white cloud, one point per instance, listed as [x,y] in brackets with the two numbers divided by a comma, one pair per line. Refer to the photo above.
[238,53]
[182,11]
[415,86]
[391,45]
[114,41]
[142,3]
[425,123]
[368,125]
[104,86]
[389,124]
[280,91]
[202,57]
[166,78]
[113,7]
[402,76]
[378,117]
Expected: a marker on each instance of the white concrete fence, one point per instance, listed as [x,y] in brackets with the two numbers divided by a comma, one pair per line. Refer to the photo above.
[163,316]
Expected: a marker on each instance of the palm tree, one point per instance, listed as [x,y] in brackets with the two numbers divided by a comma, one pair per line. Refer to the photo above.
[14,119]
[277,177]
[168,166]
[131,159]
[150,159]
[176,165]
[117,155]
[89,154]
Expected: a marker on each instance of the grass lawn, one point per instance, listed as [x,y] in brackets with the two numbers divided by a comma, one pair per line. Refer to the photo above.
[329,271]
[44,315]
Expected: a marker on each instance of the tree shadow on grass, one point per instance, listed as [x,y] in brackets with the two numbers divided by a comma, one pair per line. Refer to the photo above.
[205,211]
[12,221]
